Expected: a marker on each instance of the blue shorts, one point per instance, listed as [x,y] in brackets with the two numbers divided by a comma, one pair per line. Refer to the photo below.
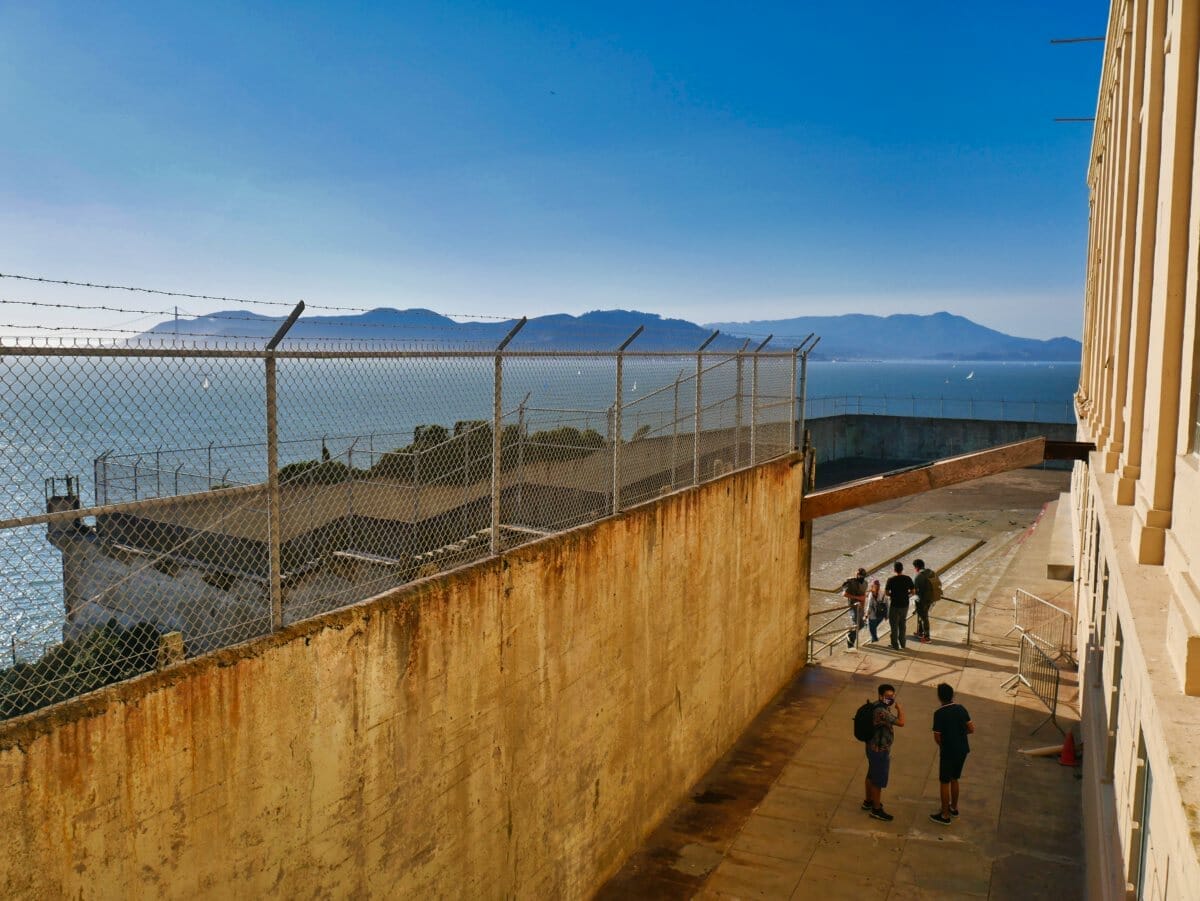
[878,764]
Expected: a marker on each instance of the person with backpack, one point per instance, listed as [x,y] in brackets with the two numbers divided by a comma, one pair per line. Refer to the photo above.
[854,590]
[874,726]
[929,591]
[951,726]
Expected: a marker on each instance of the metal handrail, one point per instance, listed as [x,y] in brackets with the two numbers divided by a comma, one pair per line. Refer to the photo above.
[813,634]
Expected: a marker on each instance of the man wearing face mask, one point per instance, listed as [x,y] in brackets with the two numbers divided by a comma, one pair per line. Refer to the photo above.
[888,715]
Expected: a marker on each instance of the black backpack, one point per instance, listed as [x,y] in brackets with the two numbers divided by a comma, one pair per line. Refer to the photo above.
[864,721]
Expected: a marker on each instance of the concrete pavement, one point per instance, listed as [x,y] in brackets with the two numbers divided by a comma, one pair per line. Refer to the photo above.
[780,816]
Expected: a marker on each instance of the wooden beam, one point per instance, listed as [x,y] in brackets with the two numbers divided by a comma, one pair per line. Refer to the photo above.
[938,474]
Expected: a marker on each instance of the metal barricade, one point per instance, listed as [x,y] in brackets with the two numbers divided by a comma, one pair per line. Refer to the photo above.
[1049,625]
[1037,672]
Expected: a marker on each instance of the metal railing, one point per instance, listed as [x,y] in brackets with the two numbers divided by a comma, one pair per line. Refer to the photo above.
[1048,624]
[234,491]
[1037,672]
[940,407]
[834,626]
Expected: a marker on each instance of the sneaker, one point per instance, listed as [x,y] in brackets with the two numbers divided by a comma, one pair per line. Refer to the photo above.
[924,639]
[953,811]
[880,814]
[867,805]
[939,819]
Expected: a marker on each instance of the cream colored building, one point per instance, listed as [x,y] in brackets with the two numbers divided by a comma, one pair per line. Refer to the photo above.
[1137,502]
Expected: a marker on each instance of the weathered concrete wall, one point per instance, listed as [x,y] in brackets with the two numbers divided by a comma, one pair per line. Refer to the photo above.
[912,438]
[511,729]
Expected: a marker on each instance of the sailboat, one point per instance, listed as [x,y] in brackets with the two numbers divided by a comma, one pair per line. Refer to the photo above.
[971,374]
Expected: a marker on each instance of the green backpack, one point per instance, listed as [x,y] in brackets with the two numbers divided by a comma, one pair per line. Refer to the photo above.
[935,588]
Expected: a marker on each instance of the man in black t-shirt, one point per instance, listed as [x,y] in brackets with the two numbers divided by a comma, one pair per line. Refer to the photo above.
[898,588]
[951,726]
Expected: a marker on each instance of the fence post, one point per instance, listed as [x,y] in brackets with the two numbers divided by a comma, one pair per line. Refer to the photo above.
[274,519]
[805,351]
[675,431]
[737,416]
[158,473]
[754,403]
[274,511]
[699,411]
[210,447]
[497,427]
[793,412]
[618,435]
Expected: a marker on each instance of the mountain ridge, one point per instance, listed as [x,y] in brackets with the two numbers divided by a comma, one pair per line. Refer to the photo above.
[937,336]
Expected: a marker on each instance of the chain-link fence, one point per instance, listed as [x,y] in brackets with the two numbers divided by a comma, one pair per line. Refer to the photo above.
[160,503]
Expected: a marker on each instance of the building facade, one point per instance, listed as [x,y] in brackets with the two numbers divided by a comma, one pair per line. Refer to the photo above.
[1136,502]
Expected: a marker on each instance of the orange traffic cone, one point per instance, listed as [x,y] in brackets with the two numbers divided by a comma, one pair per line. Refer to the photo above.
[1068,756]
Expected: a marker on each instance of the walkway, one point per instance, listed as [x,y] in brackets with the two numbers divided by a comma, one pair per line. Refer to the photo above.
[780,816]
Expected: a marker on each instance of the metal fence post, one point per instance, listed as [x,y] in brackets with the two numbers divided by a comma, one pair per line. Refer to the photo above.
[675,431]
[699,410]
[618,435]
[793,412]
[497,428]
[804,384]
[158,473]
[737,417]
[754,403]
[274,519]
[274,511]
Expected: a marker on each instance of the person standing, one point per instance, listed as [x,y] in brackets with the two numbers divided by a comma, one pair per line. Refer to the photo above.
[888,715]
[923,584]
[876,608]
[854,590]
[951,726]
[898,587]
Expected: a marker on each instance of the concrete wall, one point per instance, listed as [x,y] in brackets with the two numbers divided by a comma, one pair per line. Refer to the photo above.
[511,729]
[910,438]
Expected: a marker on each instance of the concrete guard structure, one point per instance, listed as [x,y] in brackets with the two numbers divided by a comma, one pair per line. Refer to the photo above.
[514,728]
[1136,503]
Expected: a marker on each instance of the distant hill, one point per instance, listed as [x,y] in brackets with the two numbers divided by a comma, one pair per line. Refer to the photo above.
[852,336]
[599,330]
[940,336]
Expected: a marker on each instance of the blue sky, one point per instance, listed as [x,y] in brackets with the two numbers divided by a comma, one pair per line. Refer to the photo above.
[706,161]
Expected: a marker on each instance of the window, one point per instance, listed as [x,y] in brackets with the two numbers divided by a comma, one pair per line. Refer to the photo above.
[1114,705]
[1139,845]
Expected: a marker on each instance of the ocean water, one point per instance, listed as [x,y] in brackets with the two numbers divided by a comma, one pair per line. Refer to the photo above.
[142,427]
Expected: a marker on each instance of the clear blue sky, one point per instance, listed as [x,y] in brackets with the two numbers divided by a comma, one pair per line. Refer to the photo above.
[708,161]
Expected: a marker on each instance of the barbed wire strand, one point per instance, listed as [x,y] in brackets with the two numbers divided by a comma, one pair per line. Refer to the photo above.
[590,328]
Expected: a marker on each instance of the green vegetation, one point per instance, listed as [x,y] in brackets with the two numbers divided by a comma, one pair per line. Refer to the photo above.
[103,656]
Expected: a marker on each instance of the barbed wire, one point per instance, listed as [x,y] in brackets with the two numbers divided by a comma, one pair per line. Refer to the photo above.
[167,337]
[163,293]
[590,328]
